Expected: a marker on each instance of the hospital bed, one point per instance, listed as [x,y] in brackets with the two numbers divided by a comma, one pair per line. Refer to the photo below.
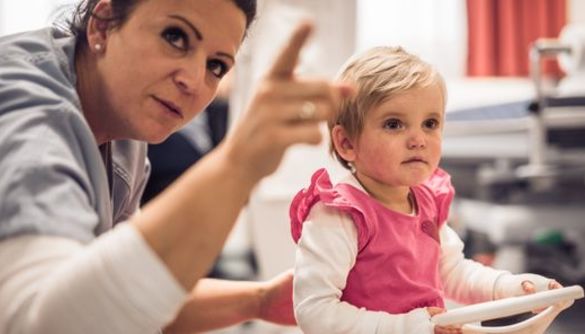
[543,127]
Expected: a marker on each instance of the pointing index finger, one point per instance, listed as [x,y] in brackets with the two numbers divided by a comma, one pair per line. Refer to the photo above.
[288,57]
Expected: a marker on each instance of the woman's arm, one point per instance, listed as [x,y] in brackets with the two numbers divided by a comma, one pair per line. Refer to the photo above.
[326,253]
[220,303]
[55,285]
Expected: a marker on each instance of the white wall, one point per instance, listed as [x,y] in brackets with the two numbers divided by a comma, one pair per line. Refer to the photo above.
[576,11]
[434,30]
[16,16]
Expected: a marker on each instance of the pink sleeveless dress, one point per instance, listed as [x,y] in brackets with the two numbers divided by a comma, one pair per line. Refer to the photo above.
[396,269]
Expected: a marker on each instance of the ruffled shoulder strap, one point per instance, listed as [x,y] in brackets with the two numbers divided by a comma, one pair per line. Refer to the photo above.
[341,197]
[442,191]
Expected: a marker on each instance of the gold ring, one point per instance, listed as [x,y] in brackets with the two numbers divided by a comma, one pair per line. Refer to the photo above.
[308,111]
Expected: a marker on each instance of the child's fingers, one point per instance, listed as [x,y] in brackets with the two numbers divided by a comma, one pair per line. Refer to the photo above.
[553,284]
[543,284]
[448,329]
[435,310]
[528,287]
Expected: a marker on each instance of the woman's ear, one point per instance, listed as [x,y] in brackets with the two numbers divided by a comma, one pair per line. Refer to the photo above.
[97,26]
[342,143]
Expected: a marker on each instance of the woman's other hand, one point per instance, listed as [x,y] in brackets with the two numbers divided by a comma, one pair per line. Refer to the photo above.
[285,110]
[276,303]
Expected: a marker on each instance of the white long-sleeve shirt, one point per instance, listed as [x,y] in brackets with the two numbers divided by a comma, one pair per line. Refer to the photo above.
[55,285]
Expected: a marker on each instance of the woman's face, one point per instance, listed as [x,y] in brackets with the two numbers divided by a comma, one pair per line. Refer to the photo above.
[163,65]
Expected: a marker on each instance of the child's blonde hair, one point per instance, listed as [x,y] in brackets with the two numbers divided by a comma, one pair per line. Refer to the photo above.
[377,75]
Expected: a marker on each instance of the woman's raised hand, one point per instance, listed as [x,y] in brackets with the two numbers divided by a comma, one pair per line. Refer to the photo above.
[285,110]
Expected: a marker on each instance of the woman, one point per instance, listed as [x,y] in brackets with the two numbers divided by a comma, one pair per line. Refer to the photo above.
[76,111]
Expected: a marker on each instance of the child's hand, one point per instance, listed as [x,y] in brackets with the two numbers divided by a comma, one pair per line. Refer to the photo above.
[451,329]
[517,285]
[529,287]
[435,310]
[448,329]
[522,284]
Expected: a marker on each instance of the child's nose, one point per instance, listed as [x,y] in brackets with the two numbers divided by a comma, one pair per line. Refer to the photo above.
[416,141]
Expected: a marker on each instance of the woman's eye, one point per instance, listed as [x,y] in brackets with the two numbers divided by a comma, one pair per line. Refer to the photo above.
[431,124]
[176,37]
[217,67]
[393,124]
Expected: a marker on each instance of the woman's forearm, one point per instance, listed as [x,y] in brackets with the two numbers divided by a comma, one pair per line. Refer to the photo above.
[217,303]
[57,285]
[188,223]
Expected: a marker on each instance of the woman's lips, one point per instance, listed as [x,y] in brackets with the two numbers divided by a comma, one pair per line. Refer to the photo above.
[173,108]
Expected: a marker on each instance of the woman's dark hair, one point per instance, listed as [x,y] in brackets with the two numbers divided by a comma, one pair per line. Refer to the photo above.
[248,7]
[121,9]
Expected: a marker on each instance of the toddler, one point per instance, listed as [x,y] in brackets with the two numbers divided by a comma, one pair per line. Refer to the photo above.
[374,253]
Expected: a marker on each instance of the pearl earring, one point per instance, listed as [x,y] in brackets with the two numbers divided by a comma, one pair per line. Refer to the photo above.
[98,47]
[351,167]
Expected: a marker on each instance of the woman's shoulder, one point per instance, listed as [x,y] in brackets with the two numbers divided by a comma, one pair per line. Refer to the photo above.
[32,44]
[37,87]
[38,63]
[41,123]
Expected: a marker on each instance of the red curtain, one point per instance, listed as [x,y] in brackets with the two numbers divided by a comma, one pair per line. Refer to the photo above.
[500,33]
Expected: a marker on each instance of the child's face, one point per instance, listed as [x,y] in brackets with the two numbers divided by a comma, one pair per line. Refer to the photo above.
[400,144]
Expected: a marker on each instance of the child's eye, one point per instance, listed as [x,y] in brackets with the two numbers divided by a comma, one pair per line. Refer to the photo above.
[431,124]
[393,124]
[217,67]
[176,37]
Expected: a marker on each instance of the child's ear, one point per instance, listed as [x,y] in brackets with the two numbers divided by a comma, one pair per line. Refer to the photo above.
[97,29]
[343,143]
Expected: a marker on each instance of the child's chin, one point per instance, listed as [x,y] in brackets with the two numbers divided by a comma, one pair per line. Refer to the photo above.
[419,179]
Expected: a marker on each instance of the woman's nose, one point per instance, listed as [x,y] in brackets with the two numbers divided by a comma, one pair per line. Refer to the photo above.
[189,78]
